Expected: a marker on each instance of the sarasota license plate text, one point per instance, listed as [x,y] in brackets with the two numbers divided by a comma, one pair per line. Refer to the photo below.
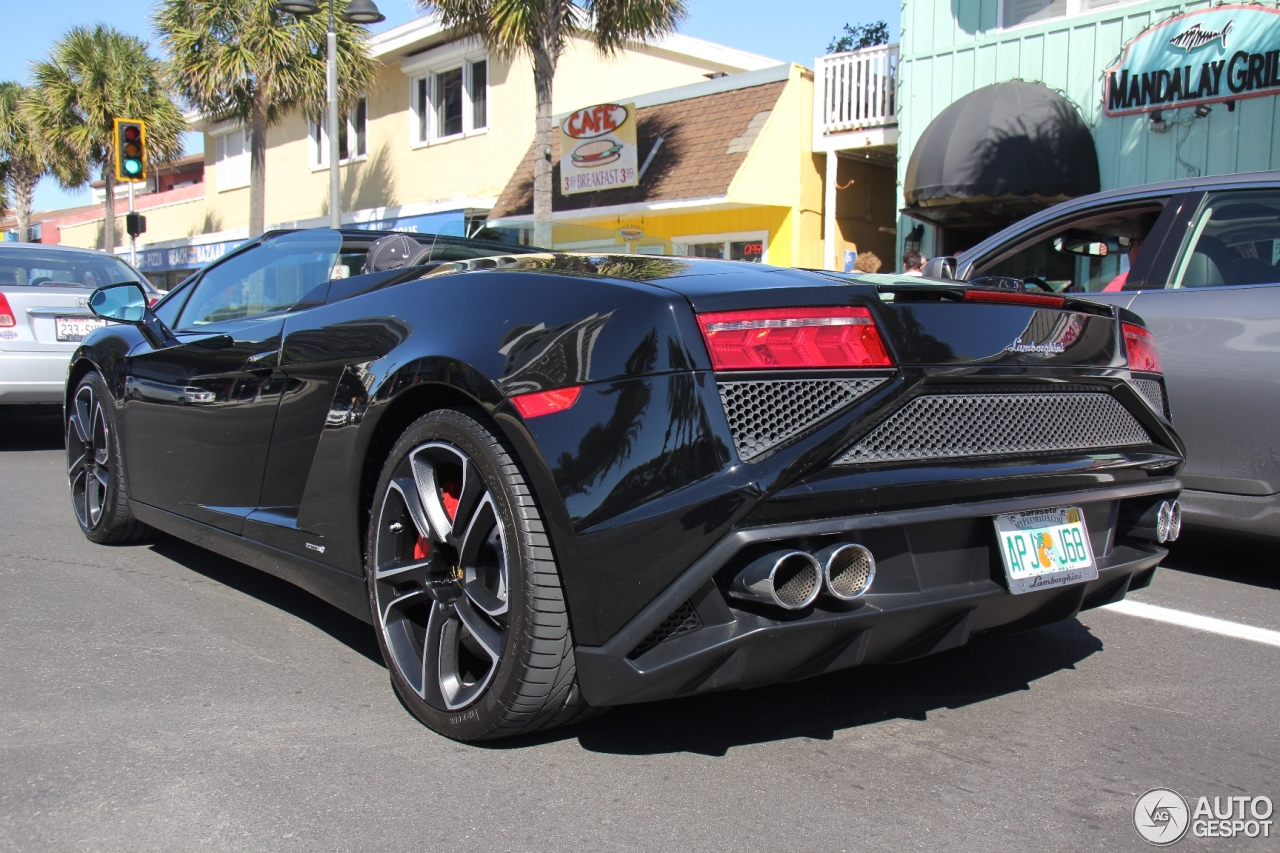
[1045,548]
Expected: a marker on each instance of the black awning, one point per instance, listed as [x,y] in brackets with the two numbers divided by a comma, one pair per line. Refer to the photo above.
[1004,142]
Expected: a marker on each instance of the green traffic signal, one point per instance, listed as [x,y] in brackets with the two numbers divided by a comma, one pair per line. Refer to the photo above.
[130,154]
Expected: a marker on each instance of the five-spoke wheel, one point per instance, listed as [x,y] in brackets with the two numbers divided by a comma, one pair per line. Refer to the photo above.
[441,576]
[463,585]
[95,469]
[88,456]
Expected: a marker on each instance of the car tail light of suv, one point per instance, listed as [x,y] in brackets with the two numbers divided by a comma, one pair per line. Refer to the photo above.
[780,338]
[6,313]
[1140,347]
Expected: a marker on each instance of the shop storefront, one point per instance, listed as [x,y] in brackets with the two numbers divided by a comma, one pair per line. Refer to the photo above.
[723,169]
[1006,108]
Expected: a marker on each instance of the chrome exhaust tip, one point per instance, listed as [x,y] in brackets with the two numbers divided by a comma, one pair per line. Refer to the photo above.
[787,579]
[847,570]
[1174,527]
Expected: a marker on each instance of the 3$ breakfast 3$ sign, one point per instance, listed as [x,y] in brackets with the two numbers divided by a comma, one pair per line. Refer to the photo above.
[598,149]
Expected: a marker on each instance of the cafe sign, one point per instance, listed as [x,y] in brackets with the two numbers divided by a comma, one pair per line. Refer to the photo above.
[598,149]
[1205,57]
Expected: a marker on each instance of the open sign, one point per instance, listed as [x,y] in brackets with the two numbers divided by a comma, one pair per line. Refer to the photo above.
[590,122]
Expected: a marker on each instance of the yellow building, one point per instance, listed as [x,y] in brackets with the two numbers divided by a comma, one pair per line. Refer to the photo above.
[728,171]
[430,148]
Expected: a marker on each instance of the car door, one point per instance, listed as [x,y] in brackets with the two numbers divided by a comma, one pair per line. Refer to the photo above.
[1217,326]
[198,414]
[1045,250]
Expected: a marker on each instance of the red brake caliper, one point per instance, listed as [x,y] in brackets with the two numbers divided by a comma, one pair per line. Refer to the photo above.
[449,494]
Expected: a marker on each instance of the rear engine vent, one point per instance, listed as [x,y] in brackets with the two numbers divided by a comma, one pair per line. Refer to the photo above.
[1153,390]
[683,621]
[767,413]
[946,426]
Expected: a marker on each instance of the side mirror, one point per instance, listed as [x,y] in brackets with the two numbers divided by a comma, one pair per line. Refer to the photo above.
[942,268]
[125,302]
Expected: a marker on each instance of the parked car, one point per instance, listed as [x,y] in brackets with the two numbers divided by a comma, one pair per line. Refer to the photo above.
[44,314]
[1206,279]
[559,482]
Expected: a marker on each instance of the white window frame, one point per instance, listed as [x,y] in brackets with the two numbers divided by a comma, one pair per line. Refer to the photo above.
[1074,9]
[318,138]
[426,69]
[232,172]
[725,239]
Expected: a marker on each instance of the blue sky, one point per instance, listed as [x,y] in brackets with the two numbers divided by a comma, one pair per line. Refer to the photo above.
[752,25]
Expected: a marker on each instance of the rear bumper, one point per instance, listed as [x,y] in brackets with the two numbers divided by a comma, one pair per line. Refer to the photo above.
[1255,514]
[33,377]
[945,583]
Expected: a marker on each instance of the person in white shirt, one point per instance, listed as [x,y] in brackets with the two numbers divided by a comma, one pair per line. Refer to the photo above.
[912,263]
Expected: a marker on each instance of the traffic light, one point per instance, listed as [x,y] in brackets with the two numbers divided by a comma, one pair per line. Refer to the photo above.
[135,223]
[131,150]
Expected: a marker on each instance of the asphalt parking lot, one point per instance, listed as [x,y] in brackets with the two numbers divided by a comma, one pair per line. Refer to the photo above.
[159,697]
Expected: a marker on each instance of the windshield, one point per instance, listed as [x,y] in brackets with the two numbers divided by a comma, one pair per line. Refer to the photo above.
[53,268]
[272,276]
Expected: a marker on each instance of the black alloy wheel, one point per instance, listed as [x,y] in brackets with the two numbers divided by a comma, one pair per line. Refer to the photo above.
[464,590]
[88,456]
[442,567]
[95,469]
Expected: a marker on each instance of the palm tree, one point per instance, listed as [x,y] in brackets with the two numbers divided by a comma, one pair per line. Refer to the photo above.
[244,60]
[92,77]
[541,29]
[22,157]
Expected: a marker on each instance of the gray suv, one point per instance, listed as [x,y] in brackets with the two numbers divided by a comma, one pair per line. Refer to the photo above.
[1199,260]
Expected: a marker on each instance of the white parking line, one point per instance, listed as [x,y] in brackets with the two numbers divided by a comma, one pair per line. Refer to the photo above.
[1194,620]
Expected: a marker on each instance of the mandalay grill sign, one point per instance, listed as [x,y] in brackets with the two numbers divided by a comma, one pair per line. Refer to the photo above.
[1205,57]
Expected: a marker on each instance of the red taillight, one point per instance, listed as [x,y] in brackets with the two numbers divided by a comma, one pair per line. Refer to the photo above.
[772,338]
[1015,296]
[6,313]
[546,402]
[1141,349]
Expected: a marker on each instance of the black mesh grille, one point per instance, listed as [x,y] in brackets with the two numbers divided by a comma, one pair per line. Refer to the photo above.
[1153,390]
[682,621]
[764,414]
[959,425]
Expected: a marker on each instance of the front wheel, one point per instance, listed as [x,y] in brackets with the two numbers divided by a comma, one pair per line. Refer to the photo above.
[464,587]
[95,467]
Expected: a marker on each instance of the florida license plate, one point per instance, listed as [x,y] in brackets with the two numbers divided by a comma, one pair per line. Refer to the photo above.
[1045,548]
[75,328]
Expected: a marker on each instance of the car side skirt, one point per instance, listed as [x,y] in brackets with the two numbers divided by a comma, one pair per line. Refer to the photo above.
[343,590]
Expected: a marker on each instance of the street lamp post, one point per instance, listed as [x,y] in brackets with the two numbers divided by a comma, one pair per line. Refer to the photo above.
[357,12]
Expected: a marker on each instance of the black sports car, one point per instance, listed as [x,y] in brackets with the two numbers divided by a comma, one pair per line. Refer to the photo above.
[558,482]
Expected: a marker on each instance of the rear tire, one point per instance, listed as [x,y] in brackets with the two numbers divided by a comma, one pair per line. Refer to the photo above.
[95,467]
[472,623]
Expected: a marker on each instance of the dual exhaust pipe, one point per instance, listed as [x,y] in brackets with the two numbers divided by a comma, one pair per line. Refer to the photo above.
[1162,522]
[793,580]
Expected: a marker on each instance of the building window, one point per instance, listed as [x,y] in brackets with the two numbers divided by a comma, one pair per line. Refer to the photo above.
[1014,13]
[450,102]
[751,247]
[231,159]
[353,137]
[1017,12]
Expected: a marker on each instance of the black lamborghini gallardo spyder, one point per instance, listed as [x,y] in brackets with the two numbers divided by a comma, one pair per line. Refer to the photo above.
[557,482]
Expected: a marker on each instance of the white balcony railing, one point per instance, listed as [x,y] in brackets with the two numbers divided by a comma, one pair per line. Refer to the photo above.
[857,90]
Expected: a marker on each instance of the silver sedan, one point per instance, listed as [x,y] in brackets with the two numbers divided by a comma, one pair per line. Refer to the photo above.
[44,314]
